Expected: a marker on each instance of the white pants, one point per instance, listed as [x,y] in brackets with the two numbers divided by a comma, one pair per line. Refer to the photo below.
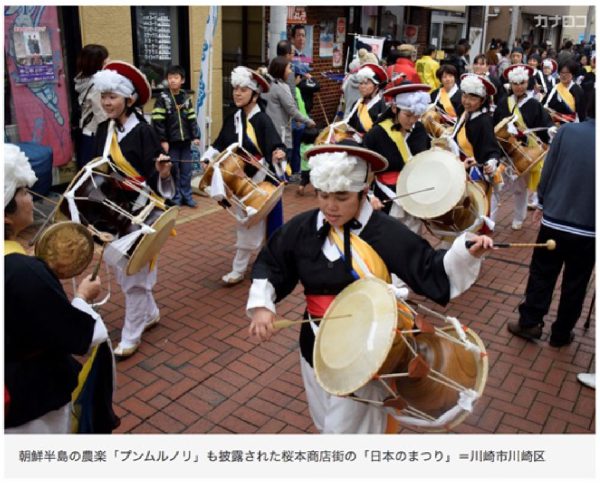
[248,241]
[140,307]
[519,189]
[53,422]
[342,415]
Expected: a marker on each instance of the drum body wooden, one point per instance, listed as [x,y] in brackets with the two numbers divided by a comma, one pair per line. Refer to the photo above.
[368,337]
[521,158]
[337,132]
[433,123]
[241,177]
[104,198]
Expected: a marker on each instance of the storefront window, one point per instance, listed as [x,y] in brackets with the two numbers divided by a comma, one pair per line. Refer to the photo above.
[158,40]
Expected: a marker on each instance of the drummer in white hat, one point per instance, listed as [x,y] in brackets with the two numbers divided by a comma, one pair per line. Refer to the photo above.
[328,248]
[398,135]
[372,79]
[252,129]
[475,137]
[528,113]
[135,149]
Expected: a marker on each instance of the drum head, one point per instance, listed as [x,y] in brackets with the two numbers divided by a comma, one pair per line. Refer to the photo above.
[151,244]
[275,194]
[67,247]
[435,168]
[350,350]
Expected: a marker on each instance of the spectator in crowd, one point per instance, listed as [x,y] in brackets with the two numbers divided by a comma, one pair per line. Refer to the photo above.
[480,67]
[491,57]
[309,136]
[427,68]
[404,68]
[503,60]
[516,56]
[174,120]
[281,106]
[90,60]
[284,48]
[566,53]
[567,211]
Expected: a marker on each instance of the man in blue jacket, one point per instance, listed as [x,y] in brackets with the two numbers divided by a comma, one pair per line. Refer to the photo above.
[567,211]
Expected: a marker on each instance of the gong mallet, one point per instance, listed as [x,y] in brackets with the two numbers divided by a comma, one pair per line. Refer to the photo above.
[105,238]
[550,245]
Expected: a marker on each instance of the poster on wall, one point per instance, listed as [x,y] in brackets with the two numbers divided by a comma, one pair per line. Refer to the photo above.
[376,43]
[409,34]
[340,30]
[41,107]
[338,54]
[326,40]
[305,53]
[296,15]
[33,55]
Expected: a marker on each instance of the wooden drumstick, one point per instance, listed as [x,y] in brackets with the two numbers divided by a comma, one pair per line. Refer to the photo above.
[284,323]
[550,245]
[105,238]
[408,194]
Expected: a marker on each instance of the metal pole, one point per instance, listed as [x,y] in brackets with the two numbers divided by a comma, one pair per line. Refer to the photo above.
[514,23]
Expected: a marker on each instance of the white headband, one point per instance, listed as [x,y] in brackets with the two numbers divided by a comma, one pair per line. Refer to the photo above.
[472,84]
[335,172]
[111,81]
[242,77]
[518,75]
[547,63]
[415,102]
[366,73]
[17,172]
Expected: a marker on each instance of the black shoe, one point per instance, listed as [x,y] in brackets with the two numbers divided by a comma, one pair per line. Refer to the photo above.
[560,342]
[190,202]
[529,333]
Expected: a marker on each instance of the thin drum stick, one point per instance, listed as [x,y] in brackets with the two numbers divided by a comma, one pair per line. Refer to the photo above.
[42,197]
[550,245]
[284,323]
[322,108]
[408,194]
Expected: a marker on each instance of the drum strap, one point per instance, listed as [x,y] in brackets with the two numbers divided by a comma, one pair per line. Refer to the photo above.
[11,246]
[117,156]
[514,108]
[364,117]
[566,95]
[445,101]
[365,260]
[463,141]
[398,139]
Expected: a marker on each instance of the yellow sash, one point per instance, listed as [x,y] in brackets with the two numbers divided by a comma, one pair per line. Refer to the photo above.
[117,156]
[11,246]
[366,253]
[463,142]
[398,139]
[566,95]
[446,102]
[514,108]
[252,135]
[364,116]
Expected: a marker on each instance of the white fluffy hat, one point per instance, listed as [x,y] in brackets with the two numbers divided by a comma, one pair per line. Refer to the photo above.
[339,171]
[17,172]
[111,81]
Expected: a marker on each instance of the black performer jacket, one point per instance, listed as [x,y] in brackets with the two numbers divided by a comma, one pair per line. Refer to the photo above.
[266,135]
[480,133]
[374,112]
[562,107]
[42,330]
[378,140]
[141,146]
[534,115]
[456,101]
[294,254]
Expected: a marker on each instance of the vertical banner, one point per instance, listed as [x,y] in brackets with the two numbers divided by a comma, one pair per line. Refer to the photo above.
[34,62]
[204,80]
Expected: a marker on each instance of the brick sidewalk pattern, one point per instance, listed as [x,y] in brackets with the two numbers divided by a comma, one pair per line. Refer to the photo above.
[199,372]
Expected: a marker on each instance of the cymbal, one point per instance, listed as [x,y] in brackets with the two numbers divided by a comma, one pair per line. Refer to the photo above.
[67,247]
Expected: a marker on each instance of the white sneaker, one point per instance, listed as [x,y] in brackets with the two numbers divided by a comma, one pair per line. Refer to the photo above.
[152,323]
[517,225]
[233,278]
[122,353]
[587,379]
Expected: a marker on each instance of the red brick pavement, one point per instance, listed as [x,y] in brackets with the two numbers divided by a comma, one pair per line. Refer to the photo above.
[198,372]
